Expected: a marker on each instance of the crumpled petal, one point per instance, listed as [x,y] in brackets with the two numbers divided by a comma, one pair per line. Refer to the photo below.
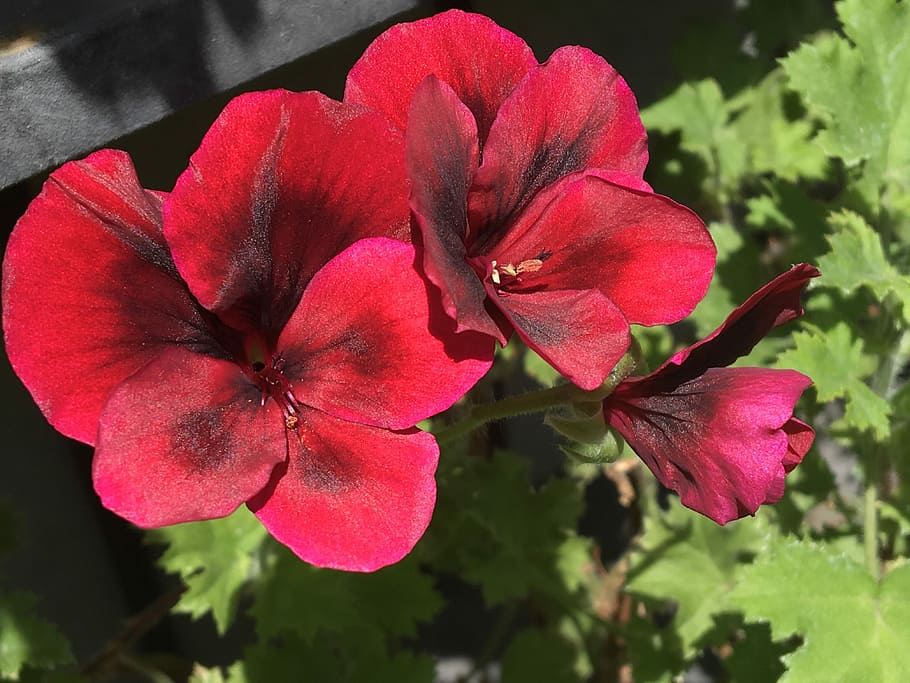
[90,293]
[651,256]
[580,333]
[442,158]
[723,440]
[353,497]
[480,60]
[280,184]
[186,438]
[369,343]
[571,113]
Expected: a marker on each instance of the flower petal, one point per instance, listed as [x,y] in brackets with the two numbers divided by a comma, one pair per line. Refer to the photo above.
[353,497]
[281,183]
[580,333]
[90,293]
[651,256]
[185,439]
[368,343]
[481,61]
[774,304]
[442,158]
[721,440]
[571,113]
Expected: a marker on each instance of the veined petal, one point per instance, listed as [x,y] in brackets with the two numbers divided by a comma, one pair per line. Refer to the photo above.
[281,183]
[774,304]
[571,113]
[184,439]
[723,440]
[353,497]
[580,333]
[442,158]
[90,293]
[480,60]
[649,255]
[368,343]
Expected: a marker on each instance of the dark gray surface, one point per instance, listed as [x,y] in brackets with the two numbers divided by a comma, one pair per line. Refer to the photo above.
[68,88]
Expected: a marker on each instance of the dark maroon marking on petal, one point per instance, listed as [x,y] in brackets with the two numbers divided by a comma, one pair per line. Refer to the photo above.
[442,153]
[549,163]
[360,345]
[201,439]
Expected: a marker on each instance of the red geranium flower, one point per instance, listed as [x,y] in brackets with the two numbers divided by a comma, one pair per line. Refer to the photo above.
[723,438]
[216,347]
[527,194]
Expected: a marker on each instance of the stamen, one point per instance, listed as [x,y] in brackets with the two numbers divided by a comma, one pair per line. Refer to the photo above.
[512,271]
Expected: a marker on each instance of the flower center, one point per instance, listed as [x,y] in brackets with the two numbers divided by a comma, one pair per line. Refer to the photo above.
[271,381]
[504,274]
[267,373]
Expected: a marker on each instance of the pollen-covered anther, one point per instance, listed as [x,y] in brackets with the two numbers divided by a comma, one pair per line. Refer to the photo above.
[508,270]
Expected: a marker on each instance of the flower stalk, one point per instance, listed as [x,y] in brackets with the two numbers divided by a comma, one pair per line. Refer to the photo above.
[538,401]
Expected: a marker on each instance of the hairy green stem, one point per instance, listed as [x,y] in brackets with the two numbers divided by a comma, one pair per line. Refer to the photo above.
[535,402]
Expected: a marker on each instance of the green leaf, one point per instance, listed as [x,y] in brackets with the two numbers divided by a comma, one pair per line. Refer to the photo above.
[856,259]
[699,111]
[837,365]
[860,87]
[339,660]
[775,144]
[214,559]
[202,674]
[26,640]
[690,560]
[853,627]
[535,655]
[294,597]
[497,530]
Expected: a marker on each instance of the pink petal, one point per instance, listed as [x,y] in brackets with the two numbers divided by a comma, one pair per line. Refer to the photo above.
[651,256]
[481,61]
[353,497]
[721,440]
[186,438]
[90,293]
[368,343]
[774,304]
[580,333]
[442,158]
[281,183]
[571,113]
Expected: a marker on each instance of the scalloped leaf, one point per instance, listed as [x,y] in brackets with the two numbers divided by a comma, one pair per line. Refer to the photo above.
[214,559]
[853,627]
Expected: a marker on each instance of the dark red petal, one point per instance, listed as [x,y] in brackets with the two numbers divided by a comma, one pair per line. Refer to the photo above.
[651,256]
[571,113]
[481,61]
[184,439]
[90,293]
[442,158]
[774,304]
[580,333]
[281,183]
[799,440]
[368,343]
[721,440]
[353,497]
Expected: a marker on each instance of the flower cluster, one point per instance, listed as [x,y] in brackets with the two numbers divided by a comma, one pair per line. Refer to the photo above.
[325,275]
